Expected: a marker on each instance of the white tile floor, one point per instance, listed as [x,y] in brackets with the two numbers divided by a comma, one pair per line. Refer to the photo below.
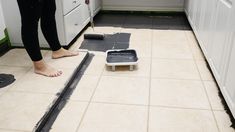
[171,90]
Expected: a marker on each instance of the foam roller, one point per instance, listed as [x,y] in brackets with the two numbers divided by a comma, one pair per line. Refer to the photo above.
[94,36]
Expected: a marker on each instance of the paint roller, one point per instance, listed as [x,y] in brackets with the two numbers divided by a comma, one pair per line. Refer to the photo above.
[94,36]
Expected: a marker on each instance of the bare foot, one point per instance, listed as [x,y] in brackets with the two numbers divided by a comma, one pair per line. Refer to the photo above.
[40,67]
[63,53]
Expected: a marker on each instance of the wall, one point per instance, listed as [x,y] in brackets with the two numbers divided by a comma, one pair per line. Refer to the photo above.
[2,23]
[144,5]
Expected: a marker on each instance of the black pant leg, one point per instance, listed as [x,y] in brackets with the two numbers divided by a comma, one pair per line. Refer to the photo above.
[30,11]
[48,24]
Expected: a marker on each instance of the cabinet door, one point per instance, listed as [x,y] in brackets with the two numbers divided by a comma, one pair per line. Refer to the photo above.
[220,42]
[193,11]
[197,17]
[73,24]
[98,4]
[229,87]
[69,5]
[207,20]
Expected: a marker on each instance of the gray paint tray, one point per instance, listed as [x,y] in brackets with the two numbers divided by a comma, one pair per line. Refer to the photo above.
[126,57]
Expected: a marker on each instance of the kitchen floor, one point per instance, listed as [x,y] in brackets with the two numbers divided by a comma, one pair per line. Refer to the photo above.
[171,89]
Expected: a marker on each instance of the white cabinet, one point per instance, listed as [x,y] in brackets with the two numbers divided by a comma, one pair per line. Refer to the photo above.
[220,43]
[229,83]
[96,5]
[69,5]
[73,23]
[71,17]
[2,24]
[213,23]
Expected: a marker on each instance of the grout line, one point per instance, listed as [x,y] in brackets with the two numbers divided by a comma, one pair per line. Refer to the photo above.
[113,103]
[13,130]
[126,76]
[176,59]
[177,107]
[159,106]
[89,102]
[29,92]
[179,79]
[150,78]
[175,78]
[204,87]
[14,66]
[142,105]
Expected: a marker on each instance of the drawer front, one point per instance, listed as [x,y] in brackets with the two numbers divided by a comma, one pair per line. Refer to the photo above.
[73,24]
[69,5]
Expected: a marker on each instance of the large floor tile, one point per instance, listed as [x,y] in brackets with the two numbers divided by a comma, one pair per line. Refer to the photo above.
[213,94]
[72,112]
[169,36]
[181,120]
[141,70]
[3,90]
[114,118]
[143,49]
[176,50]
[85,88]
[126,90]
[141,35]
[204,70]
[17,57]
[36,83]
[176,69]
[21,111]
[223,121]
[197,53]
[96,66]
[196,50]
[17,72]
[191,37]
[178,93]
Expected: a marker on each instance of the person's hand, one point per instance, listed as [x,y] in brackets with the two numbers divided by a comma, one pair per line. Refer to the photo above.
[87,1]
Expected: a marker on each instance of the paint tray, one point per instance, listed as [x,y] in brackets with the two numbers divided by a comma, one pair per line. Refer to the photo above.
[125,57]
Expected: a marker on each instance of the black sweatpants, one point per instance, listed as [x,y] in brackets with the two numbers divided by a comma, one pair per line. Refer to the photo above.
[31,12]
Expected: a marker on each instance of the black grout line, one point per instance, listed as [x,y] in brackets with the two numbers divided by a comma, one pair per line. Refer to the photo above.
[48,119]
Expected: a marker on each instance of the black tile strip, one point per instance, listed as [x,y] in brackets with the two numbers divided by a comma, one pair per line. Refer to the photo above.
[46,122]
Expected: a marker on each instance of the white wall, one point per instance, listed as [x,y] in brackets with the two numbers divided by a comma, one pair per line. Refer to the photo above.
[2,23]
[144,5]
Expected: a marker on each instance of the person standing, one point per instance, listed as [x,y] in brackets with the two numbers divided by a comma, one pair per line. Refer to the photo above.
[31,12]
